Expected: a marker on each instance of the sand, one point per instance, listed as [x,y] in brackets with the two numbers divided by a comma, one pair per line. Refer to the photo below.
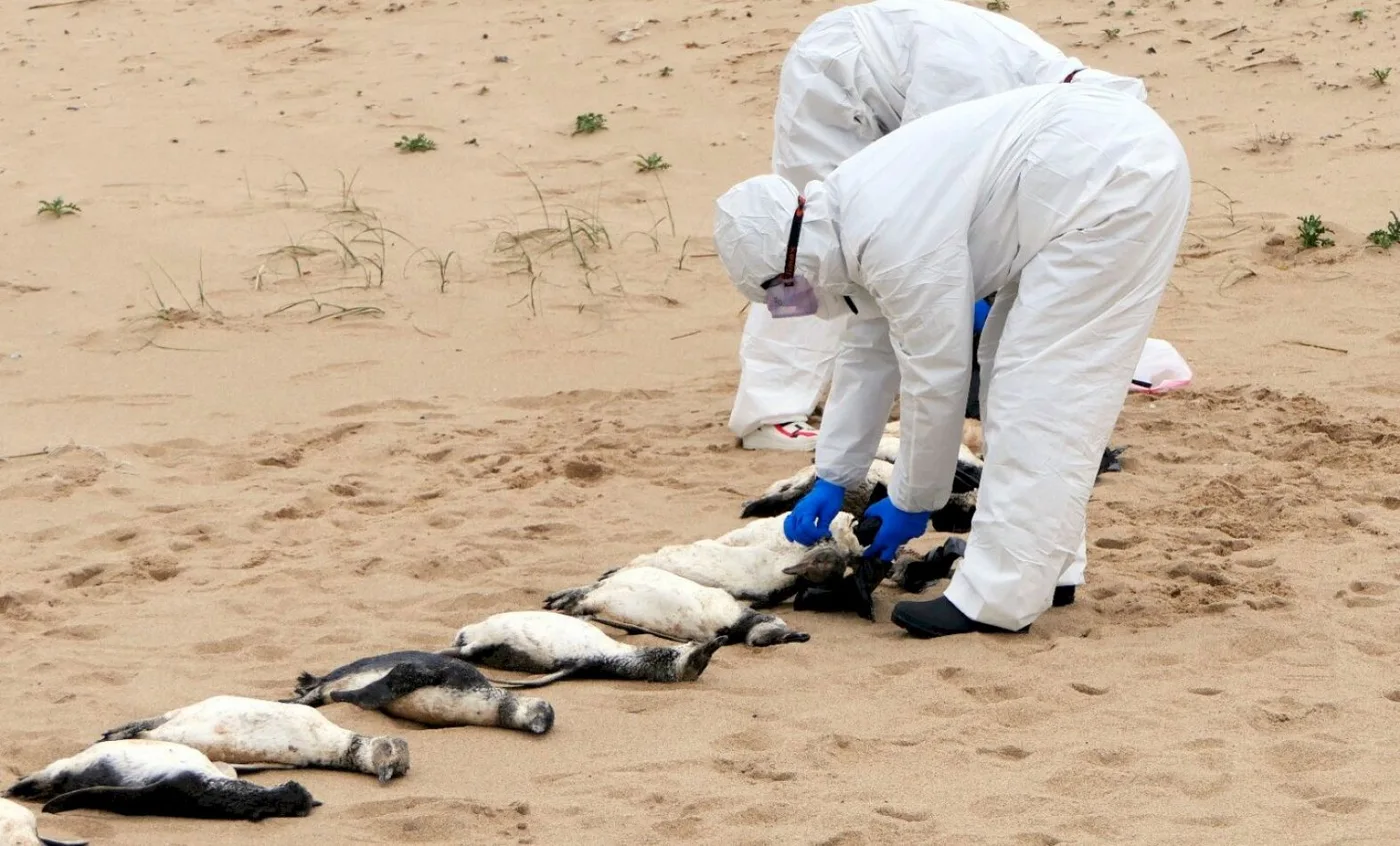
[487,411]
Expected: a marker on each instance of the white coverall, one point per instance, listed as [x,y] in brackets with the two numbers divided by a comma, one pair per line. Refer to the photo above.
[1067,201]
[853,75]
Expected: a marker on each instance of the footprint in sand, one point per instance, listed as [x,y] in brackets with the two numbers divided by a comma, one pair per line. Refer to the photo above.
[80,632]
[994,693]
[431,820]
[1341,804]
[1006,753]
[902,814]
[1366,594]
[385,405]
[1301,756]
[898,668]
[748,740]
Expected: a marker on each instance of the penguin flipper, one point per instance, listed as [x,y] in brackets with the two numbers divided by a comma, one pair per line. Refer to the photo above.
[565,601]
[553,677]
[402,680]
[180,795]
[631,629]
[156,799]
[134,729]
[307,691]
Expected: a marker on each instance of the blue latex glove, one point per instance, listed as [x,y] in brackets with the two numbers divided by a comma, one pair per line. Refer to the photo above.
[810,519]
[896,528]
[979,315]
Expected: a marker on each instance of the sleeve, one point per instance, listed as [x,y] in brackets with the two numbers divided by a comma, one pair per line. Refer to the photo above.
[928,303]
[864,383]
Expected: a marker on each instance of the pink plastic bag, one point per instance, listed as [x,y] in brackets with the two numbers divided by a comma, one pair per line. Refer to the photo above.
[1160,369]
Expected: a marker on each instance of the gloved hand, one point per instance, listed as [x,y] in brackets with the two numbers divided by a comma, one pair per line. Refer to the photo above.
[896,528]
[979,315]
[810,519]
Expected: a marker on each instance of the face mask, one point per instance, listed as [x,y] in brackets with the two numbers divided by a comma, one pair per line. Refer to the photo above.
[791,297]
[789,294]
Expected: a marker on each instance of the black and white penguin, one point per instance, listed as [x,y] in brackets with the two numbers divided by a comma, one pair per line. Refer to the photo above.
[240,730]
[562,646]
[955,516]
[649,600]
[427,688]
[19,828]
[754,563]
[156,778]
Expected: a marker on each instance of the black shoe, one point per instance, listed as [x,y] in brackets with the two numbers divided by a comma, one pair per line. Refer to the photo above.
[1064,595]
[939,617]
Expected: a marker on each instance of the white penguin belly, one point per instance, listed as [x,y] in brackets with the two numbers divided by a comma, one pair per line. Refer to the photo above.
[663,602]
[142,761]
[17,825]
[238,730]
[436,706]
[544,636]
[734,569]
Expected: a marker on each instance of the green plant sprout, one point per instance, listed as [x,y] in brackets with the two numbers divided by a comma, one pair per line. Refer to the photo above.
[418,144]
[646,164]
[1312,233]
[589,123]
[1387,237]
[57,207]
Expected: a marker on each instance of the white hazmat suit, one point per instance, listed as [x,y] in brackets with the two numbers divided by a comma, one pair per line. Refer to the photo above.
[1069,203]
[852,76]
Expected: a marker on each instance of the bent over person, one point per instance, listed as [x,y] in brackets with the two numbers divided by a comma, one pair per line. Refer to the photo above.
[1068,203]
[854,75]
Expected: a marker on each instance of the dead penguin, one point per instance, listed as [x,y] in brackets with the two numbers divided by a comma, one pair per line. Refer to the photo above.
[649,600]
[19,828]
[783,494]
[427,688]
[155,778]
[955,516]
[240,730]
[563,646]
[755,562]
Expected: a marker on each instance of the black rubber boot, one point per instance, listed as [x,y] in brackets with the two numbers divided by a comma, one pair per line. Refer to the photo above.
[939,617]
[1064,595]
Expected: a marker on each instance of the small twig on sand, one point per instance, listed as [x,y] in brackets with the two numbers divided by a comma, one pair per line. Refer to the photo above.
[1317,346]
[62,3]
[686,335]
[1290,59]
[1229,280]
[44,451]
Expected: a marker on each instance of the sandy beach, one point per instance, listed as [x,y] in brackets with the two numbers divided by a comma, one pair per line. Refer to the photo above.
[279,395]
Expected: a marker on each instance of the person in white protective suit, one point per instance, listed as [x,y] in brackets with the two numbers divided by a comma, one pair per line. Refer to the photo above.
[1068,202]
[852,76]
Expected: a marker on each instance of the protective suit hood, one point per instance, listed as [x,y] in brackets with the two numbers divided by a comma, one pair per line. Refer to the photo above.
[752,222]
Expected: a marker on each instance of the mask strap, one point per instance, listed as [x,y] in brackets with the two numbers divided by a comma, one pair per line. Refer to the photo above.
[790,266]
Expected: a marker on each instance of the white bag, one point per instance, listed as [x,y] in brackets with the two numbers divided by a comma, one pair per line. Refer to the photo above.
[1160,369]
